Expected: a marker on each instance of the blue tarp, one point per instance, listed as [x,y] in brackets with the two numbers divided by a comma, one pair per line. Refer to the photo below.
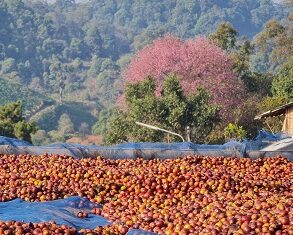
[268,136]
[148,150]
[13,142]
[62,211]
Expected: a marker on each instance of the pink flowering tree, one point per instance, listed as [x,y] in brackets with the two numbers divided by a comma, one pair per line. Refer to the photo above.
[198,63]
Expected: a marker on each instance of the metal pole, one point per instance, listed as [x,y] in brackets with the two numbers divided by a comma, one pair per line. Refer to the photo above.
[159,129]
[188,133]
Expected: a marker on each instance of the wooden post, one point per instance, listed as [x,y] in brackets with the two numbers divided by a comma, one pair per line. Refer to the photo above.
[268,125]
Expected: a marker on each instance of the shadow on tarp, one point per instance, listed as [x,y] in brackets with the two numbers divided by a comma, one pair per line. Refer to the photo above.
[62,211]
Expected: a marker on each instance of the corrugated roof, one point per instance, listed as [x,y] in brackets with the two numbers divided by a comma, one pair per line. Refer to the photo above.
[276,112]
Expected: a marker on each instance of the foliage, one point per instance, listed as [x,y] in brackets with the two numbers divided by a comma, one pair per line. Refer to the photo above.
[32,101]
[276,41]
[79,49]
[84,129]
[23,130]
[244,117]
[41,40]
[283,84]
[246,114]
[216,136]
[240,58]
[65,125]
[12,123]
[172,110]
[240,52]
[47,119]
[64,131]
[198,62]
[56,136]
[100,127]
[272,124]
[281,93]
[225,36]
[234,132]
[8,65]
[41,137]
[117,128]
[257,84]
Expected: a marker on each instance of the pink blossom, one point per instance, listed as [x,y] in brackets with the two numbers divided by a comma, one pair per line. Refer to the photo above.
[197,62]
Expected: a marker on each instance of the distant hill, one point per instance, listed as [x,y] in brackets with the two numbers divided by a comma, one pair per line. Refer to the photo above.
[32,100]
[82,48]
[47,119]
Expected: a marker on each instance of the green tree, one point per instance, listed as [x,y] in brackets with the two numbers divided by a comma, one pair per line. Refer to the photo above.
[202,116]
[65,125]
[242,66]
[234,132]
[56,136]
[225,36]
[65,129]
[12,112]
[93,39]
[143,106]
[100,127]
[12,123]
[257,84]
[117,128]
[240,52]
[5,20]
[41,137]
[276,41]
[8,65]
[6,128]
[146,38]
[23,130]
[283,84]
[77,49]
[84,129]
[172,110]
[241,59]
[174,104]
